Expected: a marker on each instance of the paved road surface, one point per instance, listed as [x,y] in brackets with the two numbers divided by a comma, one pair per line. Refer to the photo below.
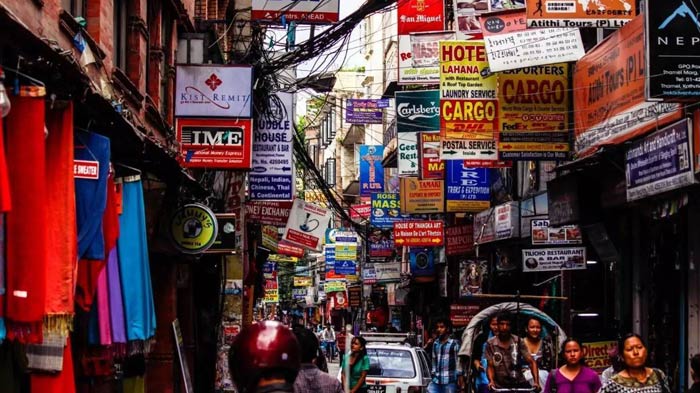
[333,367]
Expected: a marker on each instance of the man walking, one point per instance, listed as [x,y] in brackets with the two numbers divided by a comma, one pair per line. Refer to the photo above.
[505,354]
[444,370]
[310,378]
[328,338]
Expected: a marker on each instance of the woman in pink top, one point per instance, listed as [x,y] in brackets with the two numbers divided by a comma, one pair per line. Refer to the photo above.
[574,376]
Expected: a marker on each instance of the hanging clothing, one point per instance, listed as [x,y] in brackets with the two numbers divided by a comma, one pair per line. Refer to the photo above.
[116,306]
[91,194]
[13,365]
[27,226]
[5,199]
[103,315]
[62,229]
[134,266]
[63,382]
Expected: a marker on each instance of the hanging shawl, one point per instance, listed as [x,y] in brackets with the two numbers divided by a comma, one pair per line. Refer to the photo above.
[63,382]
[116,307]
[5,204]
[62,243]
[27,221]
[134,268]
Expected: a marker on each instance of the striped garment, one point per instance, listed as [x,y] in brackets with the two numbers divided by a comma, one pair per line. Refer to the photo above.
[444,362]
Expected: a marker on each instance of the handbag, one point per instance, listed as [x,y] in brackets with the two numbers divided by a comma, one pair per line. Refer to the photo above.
[663,381]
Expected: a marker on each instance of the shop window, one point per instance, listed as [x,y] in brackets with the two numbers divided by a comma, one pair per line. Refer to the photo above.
[74,7]
[120,34]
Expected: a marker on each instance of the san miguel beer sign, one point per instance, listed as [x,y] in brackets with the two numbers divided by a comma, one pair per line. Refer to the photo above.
[673,46]
[215,143]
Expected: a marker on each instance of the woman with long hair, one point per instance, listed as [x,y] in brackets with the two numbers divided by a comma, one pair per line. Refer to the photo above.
[540,347]
[635,376]
[574,376]
[355,366]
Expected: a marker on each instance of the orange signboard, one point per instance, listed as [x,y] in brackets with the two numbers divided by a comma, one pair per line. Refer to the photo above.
[419,233]
[580,13]
[422,196]
[609,102]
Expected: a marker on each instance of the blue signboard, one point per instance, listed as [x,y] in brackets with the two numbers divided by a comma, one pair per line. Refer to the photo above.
[365,111]
[660,162]
[466,189]
[385,210]
[422,261]
[329,254]
[344,267]
[271,175]
[371,169]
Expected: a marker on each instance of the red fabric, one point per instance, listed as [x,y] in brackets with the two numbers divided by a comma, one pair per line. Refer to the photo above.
[88,269]
[63,382]
[62,228]
[5,204]
[27,221]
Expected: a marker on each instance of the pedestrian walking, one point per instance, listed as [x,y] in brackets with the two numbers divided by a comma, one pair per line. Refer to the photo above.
[328,338]
[635,376]
[355,366]
[573,376]
[446,375]
[310,378]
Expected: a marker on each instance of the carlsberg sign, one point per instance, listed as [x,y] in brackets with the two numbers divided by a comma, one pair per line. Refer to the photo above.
[418,111]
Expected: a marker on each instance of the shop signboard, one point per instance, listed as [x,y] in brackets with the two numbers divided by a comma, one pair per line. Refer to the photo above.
[462,314]
[544,234]
[282,258]
[419,233]
[334,286]
[371,169]
[484,226]
[213,91]
[365,111]
[355,296]
[420,15]
[511,45]
[430,166]
[671,71]
[386,209]
[298,293]
[597,354]
[468,100]
[422,196]
[303,281]
[422,261]
[306,225]
[369,275]
[425,75]
[551,259]
[272,172]
[390,271]
[193,228]
[507,222]
[329,257]
[407,153]
[605,14]
[459,240]
[268,212]
[479,152]
[417,111]
[270,237]
[271,291]
[215,143]
[289,250]
[345,252]
[660,162]
[467,14]
[360,211]
[534,114]
[269,269]
[305,12]
[381,242]
[467,189]
[609,93]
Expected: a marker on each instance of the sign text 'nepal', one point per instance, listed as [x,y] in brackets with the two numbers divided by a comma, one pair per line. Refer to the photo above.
[419,233]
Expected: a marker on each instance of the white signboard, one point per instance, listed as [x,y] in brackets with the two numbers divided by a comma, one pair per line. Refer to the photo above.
[318,11]
[547,259]
[543,234]
[469,149]
[388,271]
[213,91]
[307,225]
[272,173]
[408,153]
[532,47]
[409,75]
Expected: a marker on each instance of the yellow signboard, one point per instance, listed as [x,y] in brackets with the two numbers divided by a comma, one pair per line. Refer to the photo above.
[467,206]
[282,258]
[271,296]
[303,281]
[334,286]
[422,196]
[597,354]
[193,228]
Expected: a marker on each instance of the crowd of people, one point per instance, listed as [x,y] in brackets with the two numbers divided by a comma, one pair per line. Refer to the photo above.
[268,357]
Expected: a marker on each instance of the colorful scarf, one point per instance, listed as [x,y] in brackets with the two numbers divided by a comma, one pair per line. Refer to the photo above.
[116,307]
[62,242]
[27,226]
[5,204]
[134,267]
[63,382]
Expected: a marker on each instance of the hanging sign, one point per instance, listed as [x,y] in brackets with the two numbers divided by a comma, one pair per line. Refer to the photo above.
[381,242]
[547,259]
[360,211]
[430,165]
[510,44]
[660,162]
[215,143]
[306,12]
[193,228]
[422,196]
[422,260]
[609,85]
[290,250]
[467,189]
[213,91]
[417,111]
[672,34]
[604,14]
[371,169]
[476,151]
[420,15]
[385,209]
[83,169]
[306,225]
[334,286]
[459,240]
[467,13]
[543,234]
[419,233]
[272,173]
[303,281]
[365,111]
[407,153]
[409,74]
[268,212]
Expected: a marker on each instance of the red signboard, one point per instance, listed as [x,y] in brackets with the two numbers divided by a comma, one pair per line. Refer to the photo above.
[361,211]
[461,314]
[215,143]
[419,233]
[459,239]
[429,163]
[420,15]
[285,248]
[86,169]
[268,212]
